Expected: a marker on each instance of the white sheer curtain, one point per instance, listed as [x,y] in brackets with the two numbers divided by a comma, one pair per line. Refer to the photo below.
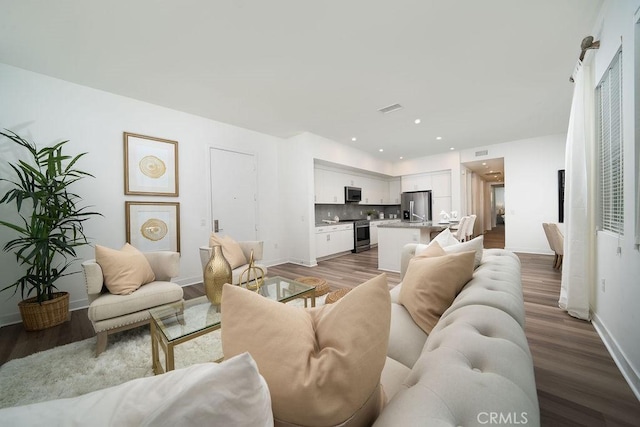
[575,291]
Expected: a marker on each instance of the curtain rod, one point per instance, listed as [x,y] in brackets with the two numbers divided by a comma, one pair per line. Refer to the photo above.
[587,43]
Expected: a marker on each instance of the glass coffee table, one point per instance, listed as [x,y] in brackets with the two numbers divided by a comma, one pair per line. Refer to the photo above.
[179,322]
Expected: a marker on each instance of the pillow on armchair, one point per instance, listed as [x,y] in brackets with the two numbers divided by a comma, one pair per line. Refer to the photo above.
[322,365]
[124,270]
[230,249]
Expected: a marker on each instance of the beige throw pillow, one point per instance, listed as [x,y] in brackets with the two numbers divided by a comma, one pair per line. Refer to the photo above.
[322,365]
[123,270]
[230,249]
[431,283]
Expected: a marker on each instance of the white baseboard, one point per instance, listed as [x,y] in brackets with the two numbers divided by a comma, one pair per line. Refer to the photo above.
[629,374]
[529,251]
[273,262]
[13,318]
[186,281]
[10,319]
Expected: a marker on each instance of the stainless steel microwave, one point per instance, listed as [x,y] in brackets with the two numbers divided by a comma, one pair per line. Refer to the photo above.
[352,194]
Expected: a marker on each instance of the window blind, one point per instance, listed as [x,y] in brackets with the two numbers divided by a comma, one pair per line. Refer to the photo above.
[609,101]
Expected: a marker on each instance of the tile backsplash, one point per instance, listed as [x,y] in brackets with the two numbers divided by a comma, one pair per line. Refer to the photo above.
[354,211]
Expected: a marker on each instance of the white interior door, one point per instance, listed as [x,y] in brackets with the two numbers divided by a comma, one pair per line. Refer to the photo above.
[233,194]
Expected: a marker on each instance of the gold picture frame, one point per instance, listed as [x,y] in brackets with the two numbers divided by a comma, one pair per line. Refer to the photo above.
[153,226]
[150,165]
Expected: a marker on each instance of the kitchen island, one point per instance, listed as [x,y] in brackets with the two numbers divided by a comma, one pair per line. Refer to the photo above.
[393,237]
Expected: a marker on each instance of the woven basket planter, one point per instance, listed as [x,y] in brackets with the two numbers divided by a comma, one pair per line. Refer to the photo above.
[36,316]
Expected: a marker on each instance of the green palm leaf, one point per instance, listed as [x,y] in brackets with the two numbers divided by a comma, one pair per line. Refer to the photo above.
[51,220]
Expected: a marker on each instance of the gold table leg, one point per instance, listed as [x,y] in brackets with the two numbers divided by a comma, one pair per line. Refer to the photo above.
[169,359]
[155,357]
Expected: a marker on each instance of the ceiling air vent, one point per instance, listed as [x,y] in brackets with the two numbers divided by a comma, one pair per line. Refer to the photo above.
[390,108]
[493,174]
[482,153]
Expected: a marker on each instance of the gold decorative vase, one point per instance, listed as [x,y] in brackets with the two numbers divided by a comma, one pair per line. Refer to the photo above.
[217,272]
[258,278]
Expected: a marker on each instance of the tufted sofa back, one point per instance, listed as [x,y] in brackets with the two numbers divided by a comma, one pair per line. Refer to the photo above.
[475,367]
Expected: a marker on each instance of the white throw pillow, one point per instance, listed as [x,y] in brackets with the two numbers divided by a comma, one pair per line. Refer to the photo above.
[446,238]
[231,393]
[476,245]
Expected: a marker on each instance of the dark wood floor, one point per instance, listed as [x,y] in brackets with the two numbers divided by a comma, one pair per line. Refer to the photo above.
[578,382]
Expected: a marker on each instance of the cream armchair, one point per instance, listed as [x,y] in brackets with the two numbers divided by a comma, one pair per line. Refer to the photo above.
[111,313]
[247,247]
[556,242]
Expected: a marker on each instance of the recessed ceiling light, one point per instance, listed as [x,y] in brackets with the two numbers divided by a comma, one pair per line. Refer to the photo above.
[354,139]
[416,121]
[484,163]
[452,148]
[381,150]
[438,138]
[401,157]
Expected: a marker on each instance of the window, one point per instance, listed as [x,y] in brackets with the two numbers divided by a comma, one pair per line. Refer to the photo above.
[609,105]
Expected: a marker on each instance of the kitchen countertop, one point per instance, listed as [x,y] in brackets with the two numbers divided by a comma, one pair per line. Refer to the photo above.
[322,224]
[421,225]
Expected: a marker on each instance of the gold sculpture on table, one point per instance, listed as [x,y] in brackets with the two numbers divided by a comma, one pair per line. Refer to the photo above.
[252,270]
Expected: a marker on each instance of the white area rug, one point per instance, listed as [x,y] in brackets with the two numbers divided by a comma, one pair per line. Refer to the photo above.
[73,369]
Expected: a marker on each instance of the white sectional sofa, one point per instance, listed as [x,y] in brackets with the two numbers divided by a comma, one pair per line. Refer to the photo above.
[475,367]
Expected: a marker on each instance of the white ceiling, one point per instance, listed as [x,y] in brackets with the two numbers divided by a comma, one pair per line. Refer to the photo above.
[474,72]
[490,170]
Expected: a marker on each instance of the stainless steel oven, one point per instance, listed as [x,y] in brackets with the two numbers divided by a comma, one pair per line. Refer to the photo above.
[361,235]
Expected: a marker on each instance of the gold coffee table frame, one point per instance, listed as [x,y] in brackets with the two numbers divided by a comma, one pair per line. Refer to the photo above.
[179,322]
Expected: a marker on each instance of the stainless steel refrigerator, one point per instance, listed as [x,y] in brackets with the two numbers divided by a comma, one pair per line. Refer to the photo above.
[416,206]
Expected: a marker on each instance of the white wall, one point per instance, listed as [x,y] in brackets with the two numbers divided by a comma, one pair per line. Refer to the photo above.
[531,196]
[297,156]
[616,305]
[298,188]
[531,187]
[47,110]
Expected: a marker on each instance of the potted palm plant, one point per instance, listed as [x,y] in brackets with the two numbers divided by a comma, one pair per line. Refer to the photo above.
[49,230]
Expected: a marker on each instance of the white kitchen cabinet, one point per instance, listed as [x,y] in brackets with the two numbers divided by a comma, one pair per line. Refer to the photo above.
[380,191]
[368,191]
[375,191]
[391,241]
[333,239]
[373,229]
[329,186]
[394,191]
[419,182]
[373,233]
[441,184]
